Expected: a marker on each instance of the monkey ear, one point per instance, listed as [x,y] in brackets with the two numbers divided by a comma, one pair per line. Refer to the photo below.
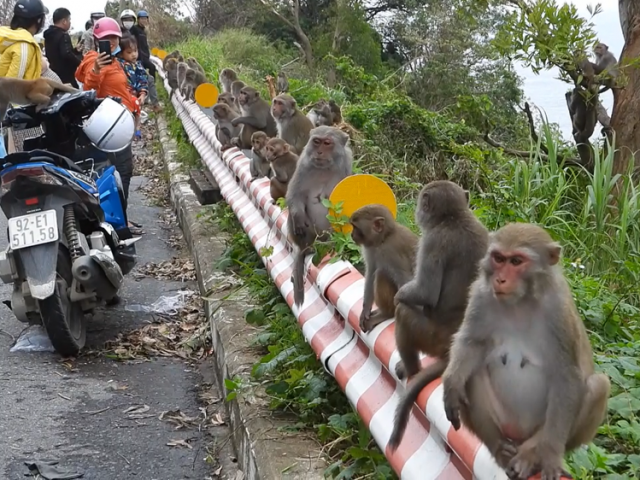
[554,253]
[343,137]
[378,224]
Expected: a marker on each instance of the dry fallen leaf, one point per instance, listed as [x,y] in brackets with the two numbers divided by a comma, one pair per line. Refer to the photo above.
[217,420]
[179,443]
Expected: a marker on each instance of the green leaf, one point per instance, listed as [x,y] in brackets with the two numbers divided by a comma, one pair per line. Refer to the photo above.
[255,316]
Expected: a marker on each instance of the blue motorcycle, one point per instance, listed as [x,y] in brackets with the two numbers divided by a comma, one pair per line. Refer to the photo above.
[69,245]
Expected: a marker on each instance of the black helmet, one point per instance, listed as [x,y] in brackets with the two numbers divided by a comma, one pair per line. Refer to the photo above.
[30,9]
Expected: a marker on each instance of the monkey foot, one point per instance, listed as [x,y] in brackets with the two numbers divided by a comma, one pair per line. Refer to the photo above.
[400,370]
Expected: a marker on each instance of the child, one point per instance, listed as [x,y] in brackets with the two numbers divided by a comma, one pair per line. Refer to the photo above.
[136,74]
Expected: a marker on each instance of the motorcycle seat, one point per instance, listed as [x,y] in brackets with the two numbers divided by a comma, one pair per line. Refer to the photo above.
[61,161]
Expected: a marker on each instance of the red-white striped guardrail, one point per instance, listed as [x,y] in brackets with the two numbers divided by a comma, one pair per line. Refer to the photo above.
[363,364]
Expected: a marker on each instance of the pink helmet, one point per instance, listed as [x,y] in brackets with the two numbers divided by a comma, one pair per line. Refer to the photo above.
[106,26]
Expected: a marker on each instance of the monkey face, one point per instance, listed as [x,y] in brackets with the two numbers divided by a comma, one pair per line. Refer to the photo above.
[258,141]
[221,111]
[322,148]
[275,148]
[279,108]
[248,95]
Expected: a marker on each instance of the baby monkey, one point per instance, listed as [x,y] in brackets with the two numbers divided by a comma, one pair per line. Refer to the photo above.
[283,163]
[389,251]
[259,165]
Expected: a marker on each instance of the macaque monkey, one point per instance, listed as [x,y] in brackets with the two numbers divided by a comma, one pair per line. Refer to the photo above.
[584,114]
[324,162]
[182,75]
[431,306]
[226,78]
[227,99]
[521,375]
[223,115]
[389,250]
[293,127]
[282,83]
[325,113]
[259,165]
[255,115]
[235,91]
[606,62]
[171,67]
[27,92]
[283,163]
[193,63]
[193,79]
[175,55]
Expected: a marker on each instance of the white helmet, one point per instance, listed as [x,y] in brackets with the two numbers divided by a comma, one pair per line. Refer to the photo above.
[128,13]
[111,127]
[97,13]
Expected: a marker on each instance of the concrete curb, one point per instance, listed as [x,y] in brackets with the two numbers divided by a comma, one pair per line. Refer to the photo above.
[279,456]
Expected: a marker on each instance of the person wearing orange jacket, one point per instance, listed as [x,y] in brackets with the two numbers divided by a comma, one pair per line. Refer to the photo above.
[102,73]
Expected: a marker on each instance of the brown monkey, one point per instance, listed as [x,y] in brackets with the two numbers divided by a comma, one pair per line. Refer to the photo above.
[255,115]
[26,92]
[194,64]
[282,83]
[584,114]
[453,243]
[521,374]
[259,165]
[236,87]
[175,55]
[227,99]
[171,67]
[325,161]
[226,78]
[325,113]
[293,127]
[193,79]
[181,76]
[606,63]
[224,114]
[283,163]
[431,306]
[389,251]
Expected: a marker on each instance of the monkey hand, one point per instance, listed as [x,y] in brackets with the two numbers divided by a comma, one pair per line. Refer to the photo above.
[364,321]
[300,224]
[401,295]
[235,122]
[454,398]
[535,455]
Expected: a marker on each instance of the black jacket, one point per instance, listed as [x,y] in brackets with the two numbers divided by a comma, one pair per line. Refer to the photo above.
[144,55]
[63,58]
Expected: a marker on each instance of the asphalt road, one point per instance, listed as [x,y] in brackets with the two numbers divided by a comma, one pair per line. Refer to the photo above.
[77,417]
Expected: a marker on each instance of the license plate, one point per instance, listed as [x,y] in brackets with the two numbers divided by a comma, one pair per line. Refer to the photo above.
[33,229]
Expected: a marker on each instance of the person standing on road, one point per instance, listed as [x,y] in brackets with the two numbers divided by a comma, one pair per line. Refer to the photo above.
[88,43]
[144,55]
[20,54]
[103,73]
[63,58]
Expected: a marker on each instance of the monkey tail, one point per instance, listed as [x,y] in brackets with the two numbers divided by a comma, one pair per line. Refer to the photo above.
[298,278]
[423,378]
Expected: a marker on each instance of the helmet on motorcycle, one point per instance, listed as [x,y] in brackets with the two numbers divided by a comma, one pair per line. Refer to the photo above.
[30,9]
[106,26]
[111,127]
[143,14]
[128,13]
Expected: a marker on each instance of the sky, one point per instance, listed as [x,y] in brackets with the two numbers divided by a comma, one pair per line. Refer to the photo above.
[80,10]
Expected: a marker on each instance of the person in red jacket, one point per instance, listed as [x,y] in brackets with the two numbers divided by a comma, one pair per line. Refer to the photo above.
[102,73]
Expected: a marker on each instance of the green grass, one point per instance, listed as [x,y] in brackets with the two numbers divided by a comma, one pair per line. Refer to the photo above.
[594,216]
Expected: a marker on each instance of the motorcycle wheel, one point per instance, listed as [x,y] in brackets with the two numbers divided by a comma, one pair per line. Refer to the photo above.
[63,320]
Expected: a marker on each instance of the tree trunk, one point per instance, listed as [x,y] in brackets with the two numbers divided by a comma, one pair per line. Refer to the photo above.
[306,47]
[625,118]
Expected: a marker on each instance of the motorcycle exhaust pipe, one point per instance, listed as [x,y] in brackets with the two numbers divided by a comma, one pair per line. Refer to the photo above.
[89,274]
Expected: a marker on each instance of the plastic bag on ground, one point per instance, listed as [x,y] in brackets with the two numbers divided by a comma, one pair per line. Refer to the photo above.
[166,305]
[33,339]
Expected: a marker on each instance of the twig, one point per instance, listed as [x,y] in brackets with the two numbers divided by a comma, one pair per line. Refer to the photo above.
[125,458]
